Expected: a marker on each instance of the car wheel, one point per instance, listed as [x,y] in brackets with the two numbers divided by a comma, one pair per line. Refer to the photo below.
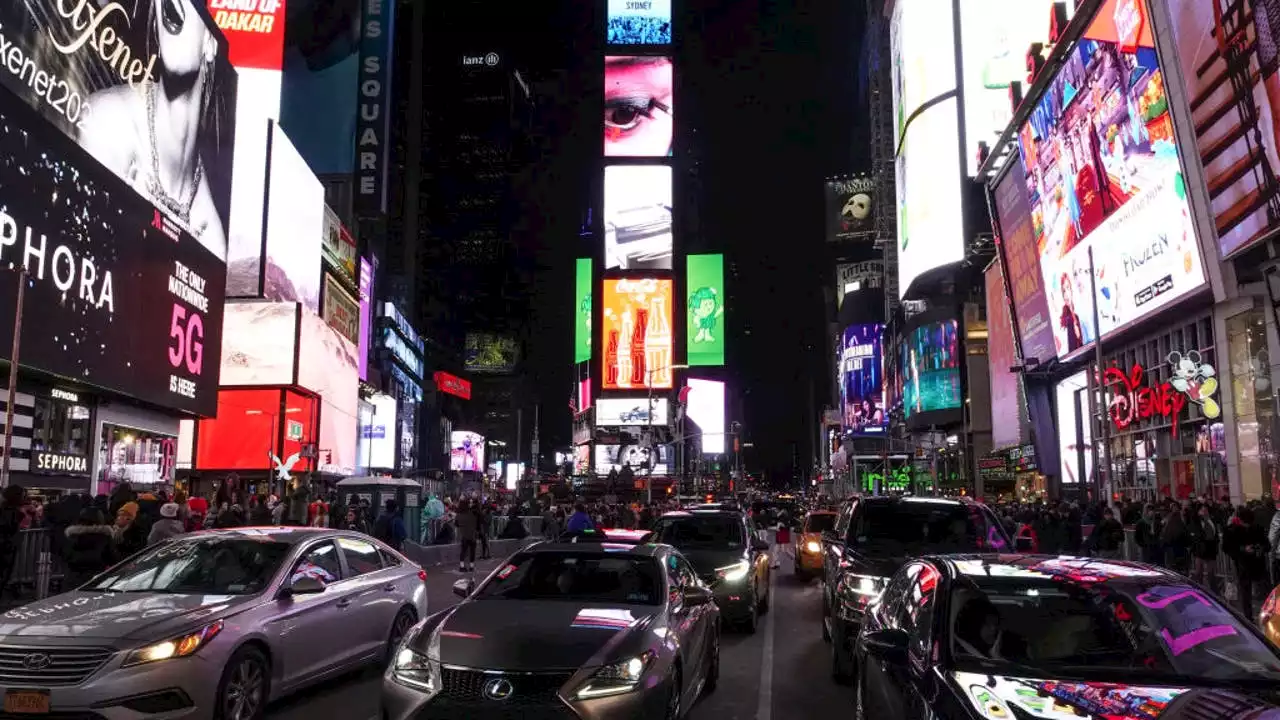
[764,599]
[826,618]
[245,686]
[405,619]
[713,665]
[752,620]
[841,660]
[675,690]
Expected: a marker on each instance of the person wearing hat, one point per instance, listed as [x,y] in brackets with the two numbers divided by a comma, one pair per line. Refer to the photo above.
[89,550]
[168,526]
[130,537]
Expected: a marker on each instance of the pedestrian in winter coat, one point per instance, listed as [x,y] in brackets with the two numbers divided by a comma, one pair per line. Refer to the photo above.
[1174,539]
[579,520]
[1108,536]
[130,537]
[468,521]
[1205,539]
[1246,544]
[90,549]
[168,526]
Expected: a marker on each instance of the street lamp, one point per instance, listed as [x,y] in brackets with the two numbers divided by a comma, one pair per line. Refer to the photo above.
[648,381]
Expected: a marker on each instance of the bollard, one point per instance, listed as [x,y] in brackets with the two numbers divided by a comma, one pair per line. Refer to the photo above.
[44,567]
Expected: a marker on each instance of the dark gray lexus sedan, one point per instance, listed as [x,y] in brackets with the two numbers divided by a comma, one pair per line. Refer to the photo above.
[565,630]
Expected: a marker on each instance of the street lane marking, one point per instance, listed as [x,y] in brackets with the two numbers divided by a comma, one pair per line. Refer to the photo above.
[764,706]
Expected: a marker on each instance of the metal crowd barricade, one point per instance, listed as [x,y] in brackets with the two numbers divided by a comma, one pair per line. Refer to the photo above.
[36,568]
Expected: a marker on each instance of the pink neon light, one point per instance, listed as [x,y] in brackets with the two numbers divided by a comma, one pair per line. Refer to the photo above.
[1182,643]
[1162,603]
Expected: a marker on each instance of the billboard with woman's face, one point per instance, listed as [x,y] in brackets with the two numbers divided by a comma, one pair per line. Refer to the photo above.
[639,106]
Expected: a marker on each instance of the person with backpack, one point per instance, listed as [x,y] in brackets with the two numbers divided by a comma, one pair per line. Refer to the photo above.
[389,527]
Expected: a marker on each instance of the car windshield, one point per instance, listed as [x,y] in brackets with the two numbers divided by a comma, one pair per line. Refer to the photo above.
[820,523]
[210,565]
[1071,623]
[581,577]
[924,528]
[709,532]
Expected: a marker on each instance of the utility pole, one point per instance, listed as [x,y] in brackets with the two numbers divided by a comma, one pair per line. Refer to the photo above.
[13,378]
[1103,458]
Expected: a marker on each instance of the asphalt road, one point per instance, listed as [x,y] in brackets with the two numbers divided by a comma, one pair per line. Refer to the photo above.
[779,673]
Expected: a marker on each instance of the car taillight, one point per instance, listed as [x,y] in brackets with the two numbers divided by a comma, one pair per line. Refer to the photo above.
[422,575]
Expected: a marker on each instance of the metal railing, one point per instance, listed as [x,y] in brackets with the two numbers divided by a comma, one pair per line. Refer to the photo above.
[497,525]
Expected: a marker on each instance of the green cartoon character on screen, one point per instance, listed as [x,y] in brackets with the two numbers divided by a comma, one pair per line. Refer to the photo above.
[705,307]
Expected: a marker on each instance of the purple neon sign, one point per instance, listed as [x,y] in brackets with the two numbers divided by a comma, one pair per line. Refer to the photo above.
[1179,644]
[366,302]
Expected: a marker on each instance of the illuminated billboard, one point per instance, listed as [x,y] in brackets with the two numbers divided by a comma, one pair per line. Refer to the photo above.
[1008,415]
[1102,174]
[639,22]
[637,334]
[1075,436]
[254,428]
[295,227]
[466,451]
[327,366]
[582,311]
[639,106]
[255,34]
[642,459]
[930,367]
[705,285]
[377,445]
[639,410]
[705,404]
[637,217]
[1021,260]
[862,379]
[490,353]
[260,343]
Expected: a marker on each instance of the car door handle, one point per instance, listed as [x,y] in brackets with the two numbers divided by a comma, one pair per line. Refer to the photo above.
[389,587]
[344,602]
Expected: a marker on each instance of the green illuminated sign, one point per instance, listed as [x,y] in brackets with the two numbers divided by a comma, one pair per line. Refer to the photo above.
[582,315]
[898,478]
[705,335]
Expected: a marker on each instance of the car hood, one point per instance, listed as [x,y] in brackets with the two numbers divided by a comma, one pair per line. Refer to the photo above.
[879,565]
[114,616]
[705,562]
[533,634]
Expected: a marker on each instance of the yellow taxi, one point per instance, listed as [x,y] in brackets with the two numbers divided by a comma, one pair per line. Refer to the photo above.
[808,542]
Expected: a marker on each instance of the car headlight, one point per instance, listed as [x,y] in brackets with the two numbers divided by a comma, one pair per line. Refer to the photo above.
[734,572]
[861,586]
[620,677]
[813,546]
[178,647]
[413,669]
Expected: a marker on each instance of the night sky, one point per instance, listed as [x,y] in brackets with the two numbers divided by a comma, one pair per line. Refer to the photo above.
[771,104]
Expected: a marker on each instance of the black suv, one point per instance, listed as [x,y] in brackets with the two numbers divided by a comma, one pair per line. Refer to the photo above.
[724,553]
[873,538]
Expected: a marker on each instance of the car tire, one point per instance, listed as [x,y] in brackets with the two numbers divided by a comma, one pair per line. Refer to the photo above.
[405,619]
[764,599]
[713,665]
[752,620]
[245,686]
[841,657]
[826,618]
[672,710]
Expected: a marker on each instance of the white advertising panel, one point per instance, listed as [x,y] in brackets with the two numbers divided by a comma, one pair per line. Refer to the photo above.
[638,410]
[706,409]
[637,217]
[466,451]
[327,366]
[248,193]
[1073,440]
[922,49]
[930,211]
[643,460]
[295,227]
[258,343]
[378,433]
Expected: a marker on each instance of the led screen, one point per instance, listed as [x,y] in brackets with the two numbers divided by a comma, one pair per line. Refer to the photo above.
[637,334]
[378,433]
[248,199]
[862,383]
[994,38]
[513,474]
[922,52]
[1240,167]
[639,109]
[1008,417]
[1021,260]
[706,410]
[255,33]
[1075,445]
[117,296]
[366,315]
[338,247]
[642,459]
[249,425]
[260,343]
[96,72]
[320,70]
[639,410]
[639,22]
[327,366]
[340,310]
[581,459]
[582,311]
[1103,173]
[705,284]
[466,451]
[637,217]
[931,368]
[295,227]
[490,353]
[930,212]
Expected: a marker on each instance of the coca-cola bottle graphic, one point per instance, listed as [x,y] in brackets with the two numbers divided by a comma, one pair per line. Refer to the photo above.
[658,342]
[624,351]
[611,360]
[638,362]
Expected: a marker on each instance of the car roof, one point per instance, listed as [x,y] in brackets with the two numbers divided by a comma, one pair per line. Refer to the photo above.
[1083,569]
[280,533]
[899,499]
[602,548]
[703,512]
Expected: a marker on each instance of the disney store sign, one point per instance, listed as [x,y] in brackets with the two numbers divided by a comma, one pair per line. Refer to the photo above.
[1192,381]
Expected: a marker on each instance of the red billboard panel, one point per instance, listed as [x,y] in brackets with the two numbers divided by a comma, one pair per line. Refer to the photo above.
[245,433]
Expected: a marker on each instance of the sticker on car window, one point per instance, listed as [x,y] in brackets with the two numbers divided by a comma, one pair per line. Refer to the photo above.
[505,572]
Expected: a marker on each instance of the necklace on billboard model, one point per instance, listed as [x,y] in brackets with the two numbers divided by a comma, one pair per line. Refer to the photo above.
[181,208]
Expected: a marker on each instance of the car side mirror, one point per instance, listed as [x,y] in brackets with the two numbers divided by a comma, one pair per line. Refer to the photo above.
[305,585]
[888,645]
[464,587]
[697,595]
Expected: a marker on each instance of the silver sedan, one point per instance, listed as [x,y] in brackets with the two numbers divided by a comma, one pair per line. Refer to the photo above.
[212,624]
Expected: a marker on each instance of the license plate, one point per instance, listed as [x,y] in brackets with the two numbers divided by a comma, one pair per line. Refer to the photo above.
[28,702]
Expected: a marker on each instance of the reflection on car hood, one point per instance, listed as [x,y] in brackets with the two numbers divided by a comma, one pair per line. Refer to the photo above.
[1001,697]
[502,634]
[113,616]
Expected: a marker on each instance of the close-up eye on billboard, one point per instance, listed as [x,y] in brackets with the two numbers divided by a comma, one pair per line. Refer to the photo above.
[636,325]
[117,296]
[295,227]
[930,367]
[1102,173]
[705,285]
[466,451]
[639,410]
[260,343]
[639,106]
[1240,167]
[582,311]
[705,405]
[637,217]
[862,379]
[639,22]
[107,75]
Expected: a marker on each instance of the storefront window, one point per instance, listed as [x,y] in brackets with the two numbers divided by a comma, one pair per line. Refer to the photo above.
[138,457]
[60,427]
[1252,396]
